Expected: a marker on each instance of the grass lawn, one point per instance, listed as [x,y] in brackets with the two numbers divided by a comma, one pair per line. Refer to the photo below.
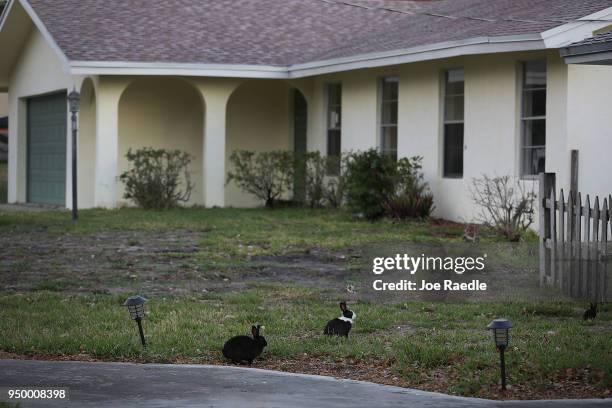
[210,274]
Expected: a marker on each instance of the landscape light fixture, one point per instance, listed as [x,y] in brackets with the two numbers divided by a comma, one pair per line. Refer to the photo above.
[135,305]
[501,337]
[74,102]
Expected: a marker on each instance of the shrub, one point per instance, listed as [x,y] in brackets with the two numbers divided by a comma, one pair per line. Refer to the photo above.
[370,179]
[157,178]
[321,189]
[266,175]
[412,198]
[504,204]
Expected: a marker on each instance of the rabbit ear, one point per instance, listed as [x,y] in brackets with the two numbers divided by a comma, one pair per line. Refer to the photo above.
[254,331]
[342,306]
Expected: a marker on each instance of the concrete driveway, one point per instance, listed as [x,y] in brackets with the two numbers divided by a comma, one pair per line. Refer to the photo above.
[163,385]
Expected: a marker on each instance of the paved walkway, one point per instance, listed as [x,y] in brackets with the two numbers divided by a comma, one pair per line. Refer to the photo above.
[162,385]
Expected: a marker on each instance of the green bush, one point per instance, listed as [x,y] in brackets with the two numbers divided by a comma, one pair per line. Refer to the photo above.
[412,198]
[371,178]
[157,178]
[267,175]
[321,189]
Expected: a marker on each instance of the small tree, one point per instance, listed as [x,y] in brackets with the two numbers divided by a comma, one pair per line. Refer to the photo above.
[505,205]
[157,178]
[266,175]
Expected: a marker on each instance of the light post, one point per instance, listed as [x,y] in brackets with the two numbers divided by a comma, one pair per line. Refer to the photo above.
[135,305]
[74,99]
[501,337]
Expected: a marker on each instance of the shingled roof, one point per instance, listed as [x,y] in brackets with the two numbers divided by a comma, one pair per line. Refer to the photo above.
[285,32]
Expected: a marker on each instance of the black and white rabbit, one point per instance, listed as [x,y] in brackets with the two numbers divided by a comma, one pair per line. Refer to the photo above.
[341,326]
[591,312]
[245,348]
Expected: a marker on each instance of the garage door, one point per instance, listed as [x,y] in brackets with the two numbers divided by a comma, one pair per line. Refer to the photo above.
[46,160]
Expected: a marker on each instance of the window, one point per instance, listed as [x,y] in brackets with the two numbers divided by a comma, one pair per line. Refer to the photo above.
[334,122]
[453,123]
[533,117]
[388,116]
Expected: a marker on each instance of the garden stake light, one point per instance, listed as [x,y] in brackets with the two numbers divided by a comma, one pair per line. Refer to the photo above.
[135,305]
[501,336]
[74,99]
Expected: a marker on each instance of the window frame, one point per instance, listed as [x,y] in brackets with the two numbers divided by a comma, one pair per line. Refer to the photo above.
[329,128]
[524,119]
[381,114]
[445,121]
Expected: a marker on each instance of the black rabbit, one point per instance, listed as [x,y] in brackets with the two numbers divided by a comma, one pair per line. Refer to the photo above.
[591,312]
[245,348]
[342,325]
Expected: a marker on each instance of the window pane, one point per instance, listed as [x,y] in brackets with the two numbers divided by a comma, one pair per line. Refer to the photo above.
[535,102]
[453,150]
[389,139]
[535,74]
[334,92]
[454,82]
[333,142]
[389,89]
[335,117]
[453,109]
[534,132]
[534,160]
[389,113]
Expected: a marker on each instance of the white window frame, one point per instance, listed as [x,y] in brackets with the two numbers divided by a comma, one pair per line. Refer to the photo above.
[382,126]
[524,119]
[445,122]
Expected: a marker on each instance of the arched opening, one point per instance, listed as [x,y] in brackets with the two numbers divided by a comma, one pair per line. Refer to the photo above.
[263,115]
[163,113]
[87,145]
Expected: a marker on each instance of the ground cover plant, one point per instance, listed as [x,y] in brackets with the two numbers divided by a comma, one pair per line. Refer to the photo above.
[210,274]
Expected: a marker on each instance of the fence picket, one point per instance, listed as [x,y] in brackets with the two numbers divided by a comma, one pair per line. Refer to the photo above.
[574,240]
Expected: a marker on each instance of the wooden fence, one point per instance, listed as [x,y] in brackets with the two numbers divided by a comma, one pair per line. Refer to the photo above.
[574,241]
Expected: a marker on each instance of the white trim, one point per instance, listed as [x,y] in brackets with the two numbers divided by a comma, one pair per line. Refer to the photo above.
[569,33]
[599,58]
[45,33]
[480,45]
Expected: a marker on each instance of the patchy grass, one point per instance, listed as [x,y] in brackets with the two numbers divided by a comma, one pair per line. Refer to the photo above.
[211,273]
[416,340]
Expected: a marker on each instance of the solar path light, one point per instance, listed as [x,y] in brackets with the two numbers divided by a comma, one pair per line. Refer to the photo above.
[135,305]
[501,337]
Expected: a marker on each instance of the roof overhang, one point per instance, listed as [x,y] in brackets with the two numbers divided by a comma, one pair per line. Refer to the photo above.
[596,54]
[472,46]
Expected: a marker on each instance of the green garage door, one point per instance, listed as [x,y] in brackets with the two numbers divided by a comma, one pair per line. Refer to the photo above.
[47,149]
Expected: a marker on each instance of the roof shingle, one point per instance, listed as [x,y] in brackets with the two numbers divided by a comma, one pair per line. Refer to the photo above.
[283,32]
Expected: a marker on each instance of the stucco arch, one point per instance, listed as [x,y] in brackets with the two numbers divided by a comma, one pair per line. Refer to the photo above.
[162,112]
[259,118]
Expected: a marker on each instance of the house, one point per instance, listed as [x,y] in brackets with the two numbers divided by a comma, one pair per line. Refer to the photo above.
[473,86]
[3,139]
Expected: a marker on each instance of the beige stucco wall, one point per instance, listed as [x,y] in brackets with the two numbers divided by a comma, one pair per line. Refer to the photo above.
[492,109]
[87,145]
[589,123]
[38,71]
[259,119]
[162,113]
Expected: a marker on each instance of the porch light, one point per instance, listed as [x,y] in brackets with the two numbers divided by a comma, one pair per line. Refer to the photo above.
[501,337]
[74,100]
[135,305]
